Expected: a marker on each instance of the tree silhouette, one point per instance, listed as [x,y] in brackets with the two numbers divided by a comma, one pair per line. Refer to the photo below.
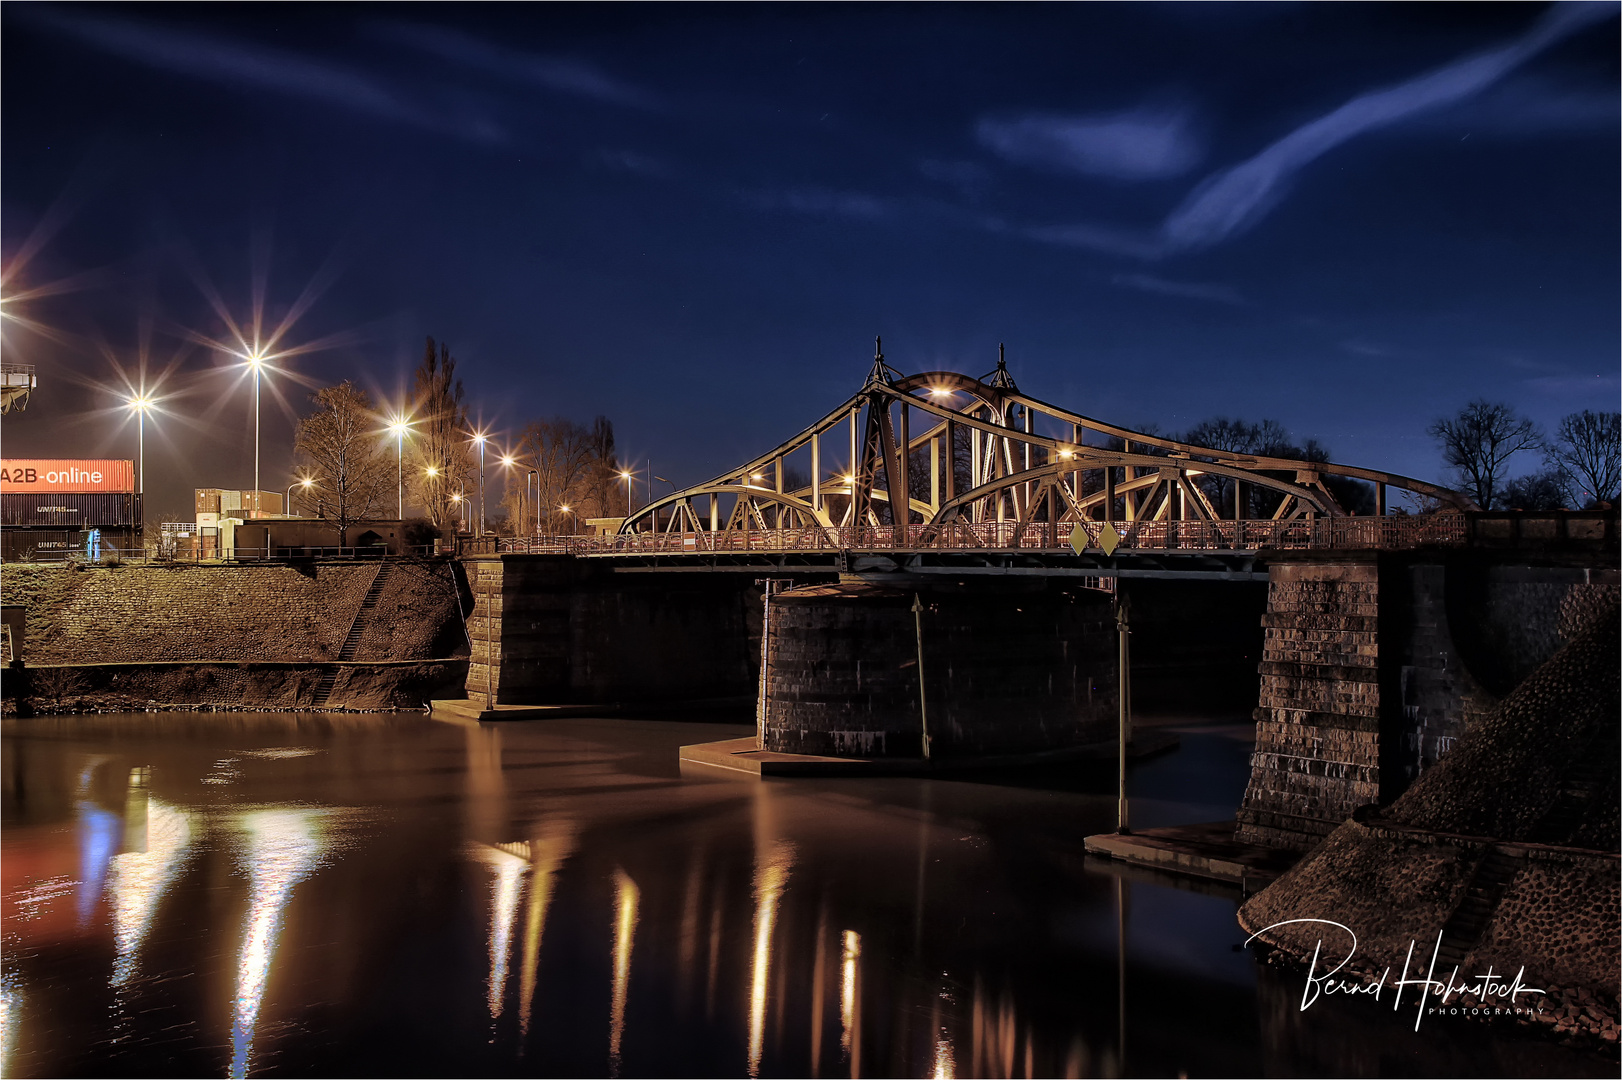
[1588,450]
[1478,442]
[347,459]
[440,461]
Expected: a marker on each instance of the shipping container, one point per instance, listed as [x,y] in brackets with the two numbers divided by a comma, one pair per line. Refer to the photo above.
[55,545]
[31,475]
[70,510]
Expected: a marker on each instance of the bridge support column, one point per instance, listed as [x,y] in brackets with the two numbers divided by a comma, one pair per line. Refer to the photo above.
[1317,752]
[560,630]
[1373,664]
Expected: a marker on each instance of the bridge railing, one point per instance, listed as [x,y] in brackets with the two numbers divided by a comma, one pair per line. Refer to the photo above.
[1392,532]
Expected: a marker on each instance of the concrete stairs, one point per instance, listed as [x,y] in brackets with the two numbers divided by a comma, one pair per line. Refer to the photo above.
[351,645]
[1469,920]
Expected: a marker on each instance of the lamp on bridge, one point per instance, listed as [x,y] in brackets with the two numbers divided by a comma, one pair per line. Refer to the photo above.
[627,475]
[479,439]
[507,462]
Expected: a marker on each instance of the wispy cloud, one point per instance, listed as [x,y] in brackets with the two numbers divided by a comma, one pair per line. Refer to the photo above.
[1188,290]
[1141,144]
[825,202]
[631,161]
[562,74]
[1235,199]
[1600,388]
[968,177]
[250,66]
[1531,106]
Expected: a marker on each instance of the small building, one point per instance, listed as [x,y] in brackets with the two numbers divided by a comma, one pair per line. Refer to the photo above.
[603,526]
[212,504]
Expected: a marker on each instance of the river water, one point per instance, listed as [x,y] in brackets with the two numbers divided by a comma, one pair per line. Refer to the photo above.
[216,894]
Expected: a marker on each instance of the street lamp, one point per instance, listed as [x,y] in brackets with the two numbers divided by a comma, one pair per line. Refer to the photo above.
[255,360]
[565,509]
[481,438]
[399,427]
[140,403]
[628,476]
[306,483]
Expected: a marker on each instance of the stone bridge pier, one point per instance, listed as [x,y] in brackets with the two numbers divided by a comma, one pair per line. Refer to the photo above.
[561,630]
[1375,663]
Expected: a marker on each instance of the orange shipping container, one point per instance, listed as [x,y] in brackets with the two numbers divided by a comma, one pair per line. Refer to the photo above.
[21,477]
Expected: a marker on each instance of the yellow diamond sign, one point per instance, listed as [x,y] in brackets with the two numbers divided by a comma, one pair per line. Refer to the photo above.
[1108,538]
[1079,539]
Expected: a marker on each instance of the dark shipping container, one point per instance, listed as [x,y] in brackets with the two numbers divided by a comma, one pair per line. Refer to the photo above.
[55,545]
[71,510]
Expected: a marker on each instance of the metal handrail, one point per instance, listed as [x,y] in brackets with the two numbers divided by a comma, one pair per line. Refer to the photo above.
[1389,533]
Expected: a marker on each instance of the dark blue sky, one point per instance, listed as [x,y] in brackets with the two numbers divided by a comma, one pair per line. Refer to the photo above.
[1350,219]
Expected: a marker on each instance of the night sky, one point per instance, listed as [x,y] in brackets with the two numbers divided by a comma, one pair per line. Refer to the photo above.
[1350,219]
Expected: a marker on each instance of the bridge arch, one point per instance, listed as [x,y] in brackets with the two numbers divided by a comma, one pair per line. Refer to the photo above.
[987,452]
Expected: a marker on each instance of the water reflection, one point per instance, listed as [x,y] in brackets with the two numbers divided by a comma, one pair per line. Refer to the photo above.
[157,841]
[549,851]
[99,836]
[283,846]
[771,875]
[509,862]
[944,1068]
[627,897]
[902,927]
[850,1017]
[11,1007]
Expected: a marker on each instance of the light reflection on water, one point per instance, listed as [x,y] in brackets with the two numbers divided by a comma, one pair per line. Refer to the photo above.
[889,927]
[139,879]
[626,898]
[771,876]
[548,852]
[508,863]
[282,847]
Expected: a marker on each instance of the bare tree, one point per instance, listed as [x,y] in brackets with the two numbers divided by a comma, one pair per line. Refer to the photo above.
[1543,490]
[1478,442]
[441,456]
[347,459]
[1588,450]
[605,493]
[562,455]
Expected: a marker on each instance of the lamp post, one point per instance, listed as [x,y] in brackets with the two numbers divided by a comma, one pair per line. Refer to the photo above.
[630,499]
[306,483]
[140,403]
[480,438]
[566,510]
[398,427]
[255,359]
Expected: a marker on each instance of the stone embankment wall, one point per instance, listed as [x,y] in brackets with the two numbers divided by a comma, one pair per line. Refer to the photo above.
[1507,849]
[1005,671]
[1374,667]
[551,629]
[249,636]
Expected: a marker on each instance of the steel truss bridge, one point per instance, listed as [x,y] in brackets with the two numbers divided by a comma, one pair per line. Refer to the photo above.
[970,453]
[999,481]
